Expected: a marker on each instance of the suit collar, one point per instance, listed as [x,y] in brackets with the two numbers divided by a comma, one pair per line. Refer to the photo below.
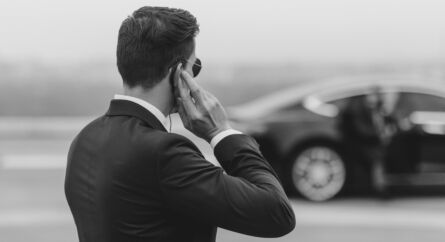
[128,108]
[151,108]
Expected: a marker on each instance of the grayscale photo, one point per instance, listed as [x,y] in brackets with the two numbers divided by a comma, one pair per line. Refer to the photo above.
[222,121]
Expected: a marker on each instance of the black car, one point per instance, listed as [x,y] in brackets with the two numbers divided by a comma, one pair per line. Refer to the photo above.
[298,133]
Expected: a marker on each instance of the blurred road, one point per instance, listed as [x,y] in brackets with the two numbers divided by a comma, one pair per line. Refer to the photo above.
[33,206]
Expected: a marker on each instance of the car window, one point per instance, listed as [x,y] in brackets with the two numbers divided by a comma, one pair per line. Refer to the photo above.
[341,103]
[410,102]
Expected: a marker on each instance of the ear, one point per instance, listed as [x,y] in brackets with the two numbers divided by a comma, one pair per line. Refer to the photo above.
[171,71]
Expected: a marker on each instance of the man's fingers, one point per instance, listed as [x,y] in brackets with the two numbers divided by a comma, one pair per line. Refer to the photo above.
[195,89]
[189,107]
[186,101]
[184,91]
[191,83]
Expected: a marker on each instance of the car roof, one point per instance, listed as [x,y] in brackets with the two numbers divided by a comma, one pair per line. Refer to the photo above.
[338,87]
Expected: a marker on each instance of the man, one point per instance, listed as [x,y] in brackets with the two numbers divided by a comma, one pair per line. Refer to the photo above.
[129,179]
[367,129]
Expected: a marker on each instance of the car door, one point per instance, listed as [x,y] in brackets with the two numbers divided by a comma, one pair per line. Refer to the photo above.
[423,136]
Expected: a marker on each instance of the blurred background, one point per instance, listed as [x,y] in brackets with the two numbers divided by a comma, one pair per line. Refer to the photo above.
[58,72]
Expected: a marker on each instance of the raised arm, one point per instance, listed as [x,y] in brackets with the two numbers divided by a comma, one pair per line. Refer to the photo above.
[248,199]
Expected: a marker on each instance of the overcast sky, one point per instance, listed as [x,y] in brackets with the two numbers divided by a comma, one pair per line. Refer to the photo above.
[234,30]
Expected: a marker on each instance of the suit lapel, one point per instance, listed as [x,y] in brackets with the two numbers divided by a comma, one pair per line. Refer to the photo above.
[128,108]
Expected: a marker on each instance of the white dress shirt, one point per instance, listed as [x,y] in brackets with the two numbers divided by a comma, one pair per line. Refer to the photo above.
[161,117]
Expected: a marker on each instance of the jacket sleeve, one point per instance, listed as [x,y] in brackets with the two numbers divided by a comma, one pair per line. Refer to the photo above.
[248,199]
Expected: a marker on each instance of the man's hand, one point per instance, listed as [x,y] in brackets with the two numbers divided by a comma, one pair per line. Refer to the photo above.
[200,111]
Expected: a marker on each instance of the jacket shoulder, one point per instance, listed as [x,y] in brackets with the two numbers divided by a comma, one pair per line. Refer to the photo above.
[171,140]
[88,128]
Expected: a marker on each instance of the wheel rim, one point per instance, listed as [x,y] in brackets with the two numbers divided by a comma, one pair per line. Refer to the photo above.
[318,173]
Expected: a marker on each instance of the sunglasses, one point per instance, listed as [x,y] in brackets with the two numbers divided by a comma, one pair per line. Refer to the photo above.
[196,68]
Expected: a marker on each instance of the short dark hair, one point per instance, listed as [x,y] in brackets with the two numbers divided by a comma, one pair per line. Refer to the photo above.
[151,40]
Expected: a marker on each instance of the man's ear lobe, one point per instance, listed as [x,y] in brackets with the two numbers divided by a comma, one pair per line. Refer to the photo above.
[170,71]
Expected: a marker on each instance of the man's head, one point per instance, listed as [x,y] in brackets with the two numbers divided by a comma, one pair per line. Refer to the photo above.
[151,41]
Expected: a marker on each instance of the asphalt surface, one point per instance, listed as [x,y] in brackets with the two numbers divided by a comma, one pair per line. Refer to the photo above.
[33,206]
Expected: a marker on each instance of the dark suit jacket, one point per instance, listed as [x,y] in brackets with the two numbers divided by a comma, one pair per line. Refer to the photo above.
[357,124]
[129,180]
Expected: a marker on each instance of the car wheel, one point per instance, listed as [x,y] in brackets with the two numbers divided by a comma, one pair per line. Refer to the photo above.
[318,173]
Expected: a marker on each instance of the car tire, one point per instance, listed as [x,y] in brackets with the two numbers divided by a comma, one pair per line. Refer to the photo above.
[317,172]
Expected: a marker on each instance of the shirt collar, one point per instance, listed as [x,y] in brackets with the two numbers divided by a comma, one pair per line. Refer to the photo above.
[152,109]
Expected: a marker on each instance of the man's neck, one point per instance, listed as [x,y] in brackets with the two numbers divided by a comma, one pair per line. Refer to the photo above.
[155,96]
